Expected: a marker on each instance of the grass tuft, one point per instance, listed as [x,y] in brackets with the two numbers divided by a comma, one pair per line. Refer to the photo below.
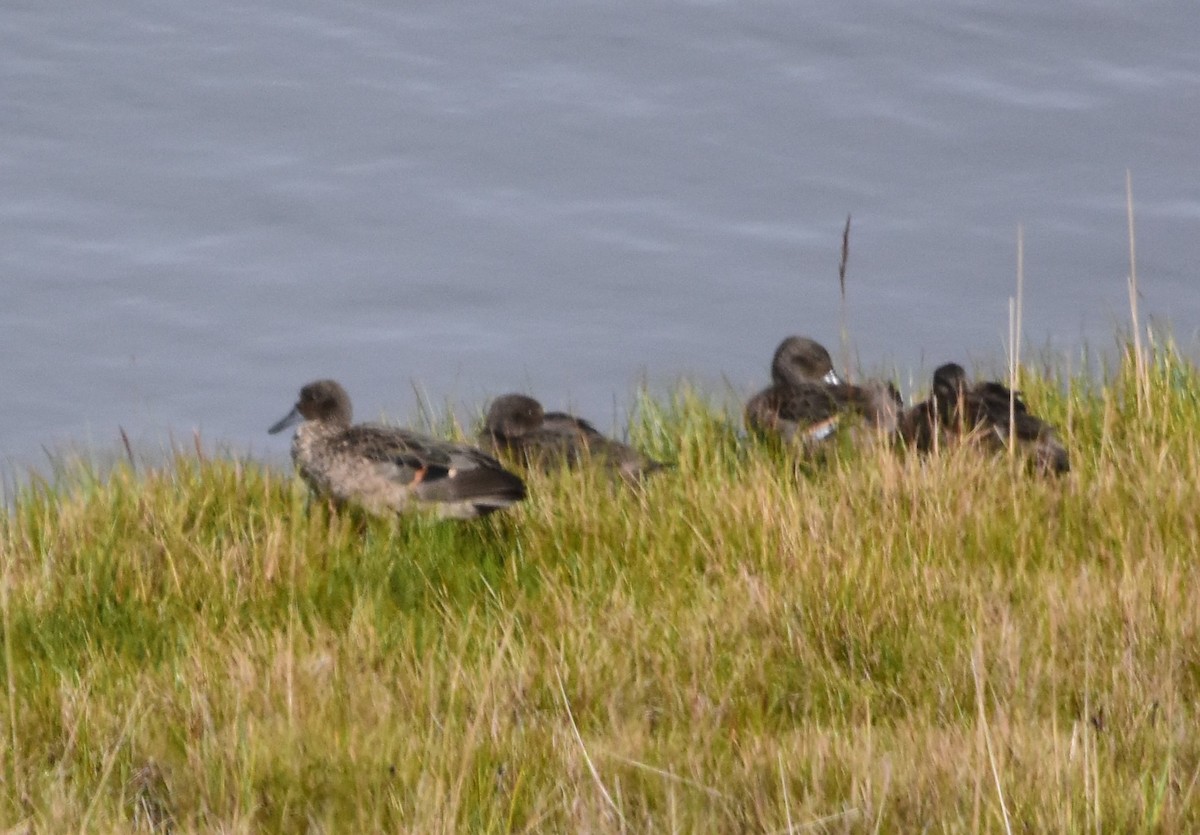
[749,642]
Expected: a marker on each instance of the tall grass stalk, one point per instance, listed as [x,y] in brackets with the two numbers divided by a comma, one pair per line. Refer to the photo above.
[1015,308]
[976,669]
[15,775]
[843,310]
[1139,359]
[110,760]
[600,787]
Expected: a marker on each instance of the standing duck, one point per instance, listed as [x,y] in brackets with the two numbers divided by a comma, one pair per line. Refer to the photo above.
[517,425]
[390,470]
[807,399]
[989,412]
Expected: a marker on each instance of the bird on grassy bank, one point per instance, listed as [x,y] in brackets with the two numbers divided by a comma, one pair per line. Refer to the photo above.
[518,426]
[388,470]
[988,412]
[808,401]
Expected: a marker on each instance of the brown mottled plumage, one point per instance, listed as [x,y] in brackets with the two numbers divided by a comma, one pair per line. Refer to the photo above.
[390,470]
[987,412]
[517,425]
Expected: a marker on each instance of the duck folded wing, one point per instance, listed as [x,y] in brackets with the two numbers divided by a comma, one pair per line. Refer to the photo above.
[806,404]
[918,426]
[577,441]
[997,397]
[992,410]
[590,442]
[1031,432]
[480,486]
[785,411]
[399,455]
[563,422]
[412,459]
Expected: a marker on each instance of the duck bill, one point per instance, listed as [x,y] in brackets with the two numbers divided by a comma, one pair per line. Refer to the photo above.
[832,378]
[290,419]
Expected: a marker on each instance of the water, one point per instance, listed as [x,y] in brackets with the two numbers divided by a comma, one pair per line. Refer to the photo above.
[203,206]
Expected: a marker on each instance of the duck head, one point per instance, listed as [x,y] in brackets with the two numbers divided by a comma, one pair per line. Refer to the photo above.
[799,359]
[324,401]
[949,389]
[513,415]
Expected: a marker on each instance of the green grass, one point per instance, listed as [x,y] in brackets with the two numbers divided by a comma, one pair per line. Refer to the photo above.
[878,642]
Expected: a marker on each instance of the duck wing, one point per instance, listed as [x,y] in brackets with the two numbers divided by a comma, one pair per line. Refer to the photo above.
[436,470]
[990,405]
[550,444]
[996,396]
[400,455]
[785,410]
[880,403]
[586,441]
[563,422]
[918,425]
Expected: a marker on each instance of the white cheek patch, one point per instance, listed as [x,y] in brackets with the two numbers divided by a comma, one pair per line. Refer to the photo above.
[821,431]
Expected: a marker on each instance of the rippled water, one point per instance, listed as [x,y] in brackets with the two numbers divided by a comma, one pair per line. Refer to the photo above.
[204,205]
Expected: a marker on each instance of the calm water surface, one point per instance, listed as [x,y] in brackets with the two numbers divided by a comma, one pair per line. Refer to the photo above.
[204,205]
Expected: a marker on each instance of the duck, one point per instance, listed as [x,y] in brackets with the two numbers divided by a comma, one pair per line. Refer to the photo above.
[517,425]
[389,470]
[807,399]
[988,412]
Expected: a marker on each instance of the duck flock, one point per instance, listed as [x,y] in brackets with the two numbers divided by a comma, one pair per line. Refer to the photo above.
[387,470]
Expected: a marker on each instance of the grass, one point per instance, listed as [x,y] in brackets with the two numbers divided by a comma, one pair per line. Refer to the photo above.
[878,643]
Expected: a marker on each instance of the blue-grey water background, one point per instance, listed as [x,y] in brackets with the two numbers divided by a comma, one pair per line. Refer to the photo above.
[204,205]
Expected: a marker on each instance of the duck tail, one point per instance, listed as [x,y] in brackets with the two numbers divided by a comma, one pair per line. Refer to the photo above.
[492,489]
[471,491]
[634,472]
[1052,456]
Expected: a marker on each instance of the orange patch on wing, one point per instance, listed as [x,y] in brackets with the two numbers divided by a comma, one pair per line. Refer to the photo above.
[419,475]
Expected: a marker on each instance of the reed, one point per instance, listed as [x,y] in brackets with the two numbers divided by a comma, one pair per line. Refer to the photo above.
[843,310]
[1139,359]
[1015,307]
